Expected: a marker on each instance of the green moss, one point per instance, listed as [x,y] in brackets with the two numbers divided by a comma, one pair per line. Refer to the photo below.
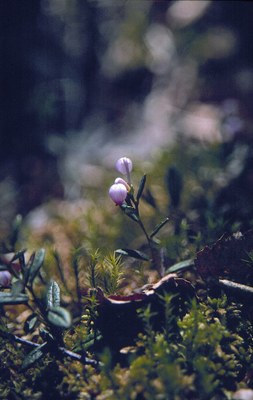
[204,362]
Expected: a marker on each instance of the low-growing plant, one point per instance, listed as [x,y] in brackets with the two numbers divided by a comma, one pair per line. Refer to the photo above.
[145,321]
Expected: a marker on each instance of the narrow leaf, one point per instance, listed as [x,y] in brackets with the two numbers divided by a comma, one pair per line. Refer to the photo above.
[149,198]
[181,266]
[17,287]
[34,356]
[20,256]
[10,298]
[130,212]
[175,185]
[53,295]
[158,227]
[141,187]
[139,255]
[59,317]
[30,323]
[46,336]
[15,230]
[36,264]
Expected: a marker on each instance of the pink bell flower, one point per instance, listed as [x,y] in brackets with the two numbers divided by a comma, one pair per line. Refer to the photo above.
[125,166]
[118,193]
[120,180]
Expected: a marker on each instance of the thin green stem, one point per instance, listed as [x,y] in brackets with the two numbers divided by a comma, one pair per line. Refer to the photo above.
[145,232]
[149,239]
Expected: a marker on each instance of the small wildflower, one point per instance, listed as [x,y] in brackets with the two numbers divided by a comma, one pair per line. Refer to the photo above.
[5,278]
[118,193]
[125,166]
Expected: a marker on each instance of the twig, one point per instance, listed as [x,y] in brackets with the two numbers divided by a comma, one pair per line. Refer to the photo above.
[65,352]
[237,287]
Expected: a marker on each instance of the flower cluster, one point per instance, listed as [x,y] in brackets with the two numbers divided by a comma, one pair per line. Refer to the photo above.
[119,190]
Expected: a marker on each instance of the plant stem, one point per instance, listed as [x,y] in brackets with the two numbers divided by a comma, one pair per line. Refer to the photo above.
[149,239]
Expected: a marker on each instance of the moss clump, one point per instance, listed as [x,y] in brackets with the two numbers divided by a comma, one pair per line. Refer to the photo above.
[206,361]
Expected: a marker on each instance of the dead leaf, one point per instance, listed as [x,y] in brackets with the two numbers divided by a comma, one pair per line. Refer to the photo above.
[118,318]
[226,258]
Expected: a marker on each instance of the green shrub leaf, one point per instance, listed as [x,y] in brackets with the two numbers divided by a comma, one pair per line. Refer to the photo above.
[175,185]
[10,298]
[30,323]
[139,255]
[17,287]
[181,265]
[59,317]
[53,295]
[130,212]
[36,265]
[141,187]
[149,198]
[34,356]
[158,227]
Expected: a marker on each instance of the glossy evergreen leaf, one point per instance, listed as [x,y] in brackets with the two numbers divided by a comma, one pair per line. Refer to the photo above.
[130,212]
[175,185]
[10,298]
[158,227]
[141,187]
[59,317]
[17,287]
[53,295]
[139,255]
[30,323]
[181,266]
[34,356]
[15,230]
[36,265]
[46,336]
[149,198]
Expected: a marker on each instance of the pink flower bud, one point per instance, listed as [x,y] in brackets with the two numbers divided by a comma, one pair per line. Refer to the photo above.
[125,166]
[5,278]
[120,180]
[118,193]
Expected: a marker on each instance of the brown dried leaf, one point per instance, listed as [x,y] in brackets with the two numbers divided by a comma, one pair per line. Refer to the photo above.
[226,258]
[118,319]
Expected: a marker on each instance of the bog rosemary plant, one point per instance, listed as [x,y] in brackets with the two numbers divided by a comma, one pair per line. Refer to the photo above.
[123,194]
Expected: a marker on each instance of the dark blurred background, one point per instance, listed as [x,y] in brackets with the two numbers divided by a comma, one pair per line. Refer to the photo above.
[81,77]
